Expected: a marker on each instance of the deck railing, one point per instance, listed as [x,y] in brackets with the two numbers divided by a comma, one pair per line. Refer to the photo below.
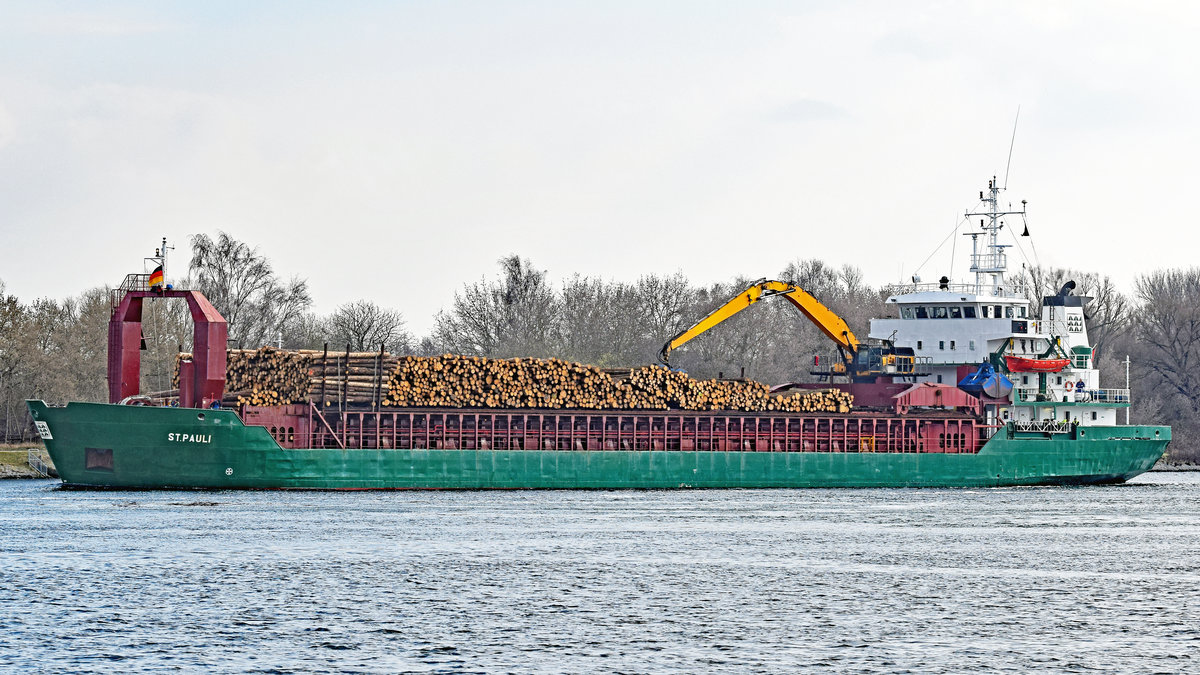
[1008,291]
[132,282]
[987,262]
[1102,396]
[1030,395]
[1043,426]
[1026,394]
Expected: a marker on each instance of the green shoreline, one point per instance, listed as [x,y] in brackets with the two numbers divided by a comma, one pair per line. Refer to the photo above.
[14,461]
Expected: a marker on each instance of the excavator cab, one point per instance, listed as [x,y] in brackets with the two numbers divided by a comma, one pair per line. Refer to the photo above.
[870,362]
[885,359]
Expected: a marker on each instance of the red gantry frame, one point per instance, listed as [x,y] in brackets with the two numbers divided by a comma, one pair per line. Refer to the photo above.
[201,381]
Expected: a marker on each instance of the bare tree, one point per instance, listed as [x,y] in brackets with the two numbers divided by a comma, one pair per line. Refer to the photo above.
[12,327]
[511,316]
[240,282]
[306,331]
[1168,327]
[1108,313]
[665,305]
[1106,310]
[365,326]
[50,350]
[815,276]
[598,323]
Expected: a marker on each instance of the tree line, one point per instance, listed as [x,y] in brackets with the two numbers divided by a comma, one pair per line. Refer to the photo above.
[56,350]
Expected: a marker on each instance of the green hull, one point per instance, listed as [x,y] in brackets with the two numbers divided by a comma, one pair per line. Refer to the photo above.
[138,447]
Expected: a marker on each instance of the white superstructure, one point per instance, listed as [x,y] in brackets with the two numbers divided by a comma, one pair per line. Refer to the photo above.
[954,328]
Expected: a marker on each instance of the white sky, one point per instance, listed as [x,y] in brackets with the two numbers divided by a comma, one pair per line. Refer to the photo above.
[394,151]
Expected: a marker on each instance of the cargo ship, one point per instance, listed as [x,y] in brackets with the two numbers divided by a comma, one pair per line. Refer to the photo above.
[961,386]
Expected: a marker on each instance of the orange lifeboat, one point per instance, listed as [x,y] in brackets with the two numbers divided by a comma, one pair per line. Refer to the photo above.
[1017,364]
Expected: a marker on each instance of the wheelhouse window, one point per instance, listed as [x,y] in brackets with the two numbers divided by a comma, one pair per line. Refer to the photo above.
[922,312]
[906,313]
[939,312]
[1021,312]
[1008,313]
[956,312]
[969,311]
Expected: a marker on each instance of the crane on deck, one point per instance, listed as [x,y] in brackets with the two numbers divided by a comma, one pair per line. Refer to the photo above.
[860,362]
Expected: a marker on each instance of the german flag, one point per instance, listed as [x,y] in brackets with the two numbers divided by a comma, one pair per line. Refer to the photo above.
[156,279]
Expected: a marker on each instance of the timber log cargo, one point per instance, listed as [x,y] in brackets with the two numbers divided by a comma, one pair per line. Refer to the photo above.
[270,376]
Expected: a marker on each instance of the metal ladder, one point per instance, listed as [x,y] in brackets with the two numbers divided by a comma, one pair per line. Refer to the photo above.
[34,458]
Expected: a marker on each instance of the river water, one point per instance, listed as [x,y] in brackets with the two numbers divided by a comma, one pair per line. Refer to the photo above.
[1076,579]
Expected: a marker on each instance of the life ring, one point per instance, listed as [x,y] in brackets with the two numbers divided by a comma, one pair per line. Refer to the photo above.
[1070,385]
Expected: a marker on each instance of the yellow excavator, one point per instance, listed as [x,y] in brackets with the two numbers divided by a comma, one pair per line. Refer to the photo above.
[859,362]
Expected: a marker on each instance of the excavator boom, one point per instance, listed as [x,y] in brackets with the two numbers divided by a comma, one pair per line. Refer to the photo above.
[824,318]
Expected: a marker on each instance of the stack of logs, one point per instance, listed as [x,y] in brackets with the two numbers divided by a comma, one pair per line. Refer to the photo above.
[271,376]
[353,377]
[266,376]
[476,382]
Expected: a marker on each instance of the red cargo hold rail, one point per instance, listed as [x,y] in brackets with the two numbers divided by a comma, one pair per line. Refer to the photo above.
[684,431]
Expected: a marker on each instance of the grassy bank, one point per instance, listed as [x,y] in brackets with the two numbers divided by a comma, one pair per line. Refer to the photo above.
[14,460]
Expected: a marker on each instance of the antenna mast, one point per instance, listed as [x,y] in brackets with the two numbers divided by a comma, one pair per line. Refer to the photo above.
[160,256]
[993,261]
[1011,143]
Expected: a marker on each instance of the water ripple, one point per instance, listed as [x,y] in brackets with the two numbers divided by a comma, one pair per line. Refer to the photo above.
[851,581]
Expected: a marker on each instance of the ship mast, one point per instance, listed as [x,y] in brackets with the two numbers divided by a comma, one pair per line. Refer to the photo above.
[993,262]
[160,256]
